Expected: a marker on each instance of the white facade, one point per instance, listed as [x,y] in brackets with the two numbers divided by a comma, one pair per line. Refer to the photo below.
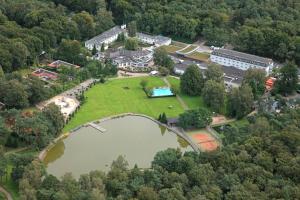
[179,71]
[154,40]
[240,60]
[105,38]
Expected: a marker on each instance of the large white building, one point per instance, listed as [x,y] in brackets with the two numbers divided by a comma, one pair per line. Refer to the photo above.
[240,60]
[157,40]
[105,38]
[132,59]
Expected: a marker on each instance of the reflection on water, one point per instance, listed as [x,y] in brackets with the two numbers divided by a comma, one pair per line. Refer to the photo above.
[56,152]
[136,138]
[163,130]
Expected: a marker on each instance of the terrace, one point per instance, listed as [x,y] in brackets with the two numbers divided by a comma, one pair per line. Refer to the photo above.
[45,75]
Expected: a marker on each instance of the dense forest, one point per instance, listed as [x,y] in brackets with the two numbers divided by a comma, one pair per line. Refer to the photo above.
[259,160]
[30,27]
[268,28]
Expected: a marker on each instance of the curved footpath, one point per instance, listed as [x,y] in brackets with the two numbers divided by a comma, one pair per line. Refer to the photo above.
[6,193]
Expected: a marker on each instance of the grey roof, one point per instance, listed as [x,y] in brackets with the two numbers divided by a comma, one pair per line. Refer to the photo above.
[158,39]
[99,39]
[244,57]
[123,55]
[173,120]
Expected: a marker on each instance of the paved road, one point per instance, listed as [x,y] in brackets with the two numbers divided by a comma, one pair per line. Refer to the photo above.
[183,104]
[6,193]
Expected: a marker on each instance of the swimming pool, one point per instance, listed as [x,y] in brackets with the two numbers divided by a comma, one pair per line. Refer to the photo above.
[162,92]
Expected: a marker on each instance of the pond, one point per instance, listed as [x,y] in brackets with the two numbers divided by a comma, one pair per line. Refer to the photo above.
[136,138]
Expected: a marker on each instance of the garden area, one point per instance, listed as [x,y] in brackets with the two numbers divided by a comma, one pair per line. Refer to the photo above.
[192,102]
[126,95]
[203,57]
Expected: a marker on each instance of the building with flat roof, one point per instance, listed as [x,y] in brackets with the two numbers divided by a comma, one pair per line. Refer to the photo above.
[132,59]
[105,38]
[239,60]
[156,40]
[45,75]
[58,63]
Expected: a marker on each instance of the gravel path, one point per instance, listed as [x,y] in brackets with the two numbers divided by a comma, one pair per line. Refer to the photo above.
[183,104]
[6,193]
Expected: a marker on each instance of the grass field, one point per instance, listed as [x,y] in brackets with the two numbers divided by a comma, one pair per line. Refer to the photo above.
[192,102]
[113,98]
[172,48]
[199,56]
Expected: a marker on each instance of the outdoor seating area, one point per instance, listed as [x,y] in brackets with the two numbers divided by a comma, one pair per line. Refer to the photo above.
[66,104]
[45,75]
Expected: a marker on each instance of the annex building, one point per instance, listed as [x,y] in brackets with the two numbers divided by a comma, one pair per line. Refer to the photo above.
[105,38]
[239,60]
[126,59]
[156,40]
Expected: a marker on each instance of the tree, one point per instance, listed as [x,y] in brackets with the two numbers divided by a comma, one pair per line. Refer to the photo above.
[131,44]
[103,20]
[255,78]
[85,23]
[132,28]
[164,71]
[27,192]
[121,37]
[166,159]
[161,58]
[195,118]
[192,81]
[15,95]
[70,51]
[147,193]
[102,47]
[214,95]
[1,72]
[288,79]
[214,72]
[37,91]
[54,116]
[94,50]
[240,101]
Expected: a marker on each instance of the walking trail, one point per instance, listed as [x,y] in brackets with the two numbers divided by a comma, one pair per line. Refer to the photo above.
[6,193]
[183,104]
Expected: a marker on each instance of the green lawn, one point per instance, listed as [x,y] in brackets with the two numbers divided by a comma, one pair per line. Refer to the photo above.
[192,102]
[199,56]
[112,98]
[171,48]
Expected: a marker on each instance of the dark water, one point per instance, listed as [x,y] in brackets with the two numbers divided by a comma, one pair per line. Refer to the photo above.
[136,138]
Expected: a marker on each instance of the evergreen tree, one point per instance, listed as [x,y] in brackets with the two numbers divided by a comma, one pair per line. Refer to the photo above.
[94,51]
[102,47]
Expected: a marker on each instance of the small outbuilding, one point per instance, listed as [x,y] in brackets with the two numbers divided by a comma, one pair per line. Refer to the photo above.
[172,121]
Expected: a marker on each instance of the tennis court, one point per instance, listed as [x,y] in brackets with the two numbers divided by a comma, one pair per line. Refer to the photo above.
[205,141]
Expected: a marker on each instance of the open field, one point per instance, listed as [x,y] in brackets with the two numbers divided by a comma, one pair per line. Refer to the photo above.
[199,56]
[123,96]
[172,48]
[192,102]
